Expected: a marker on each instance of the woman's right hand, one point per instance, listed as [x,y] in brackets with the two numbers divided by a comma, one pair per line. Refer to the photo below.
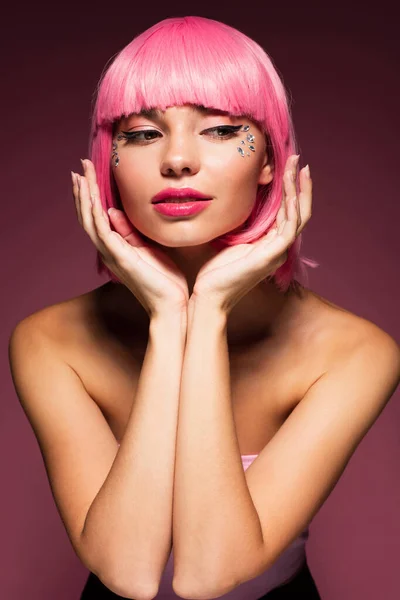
[147,272]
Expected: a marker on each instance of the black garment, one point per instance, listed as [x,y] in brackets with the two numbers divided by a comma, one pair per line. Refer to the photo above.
[301,587]
[96,590]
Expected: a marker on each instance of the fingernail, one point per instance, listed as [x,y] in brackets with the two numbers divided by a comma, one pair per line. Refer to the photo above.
[83,164]
[296,160]
[307,171]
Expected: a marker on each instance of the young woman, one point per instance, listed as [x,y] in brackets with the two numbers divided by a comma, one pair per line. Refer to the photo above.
[202,404]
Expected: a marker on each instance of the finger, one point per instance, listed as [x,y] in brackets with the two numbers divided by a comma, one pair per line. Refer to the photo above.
[89,222]
[290,176]
[289,228]
[75,193]
[286,194]
[89,189]
[86,208]
[90,174]
[124,227]
[305,198]
[282,212]
[110,242]
[100,217]
[292,180]
[294,163]
[290,184]
[119,219]
[297,207]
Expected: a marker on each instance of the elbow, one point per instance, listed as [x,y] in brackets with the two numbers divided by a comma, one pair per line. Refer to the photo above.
[185,590]
[198,588]
[117,581]
[200,591]
[134,589]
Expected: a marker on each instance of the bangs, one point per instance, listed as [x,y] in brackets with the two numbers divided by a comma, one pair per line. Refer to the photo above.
[185,61]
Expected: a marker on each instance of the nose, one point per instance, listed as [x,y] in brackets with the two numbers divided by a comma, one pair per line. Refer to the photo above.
[180,157]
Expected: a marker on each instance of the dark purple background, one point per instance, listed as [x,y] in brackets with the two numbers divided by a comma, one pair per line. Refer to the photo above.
[340,64]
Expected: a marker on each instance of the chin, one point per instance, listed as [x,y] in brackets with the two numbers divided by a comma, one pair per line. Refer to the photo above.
[181,239]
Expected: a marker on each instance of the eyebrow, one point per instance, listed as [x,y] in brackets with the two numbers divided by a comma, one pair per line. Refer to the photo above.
[154,113]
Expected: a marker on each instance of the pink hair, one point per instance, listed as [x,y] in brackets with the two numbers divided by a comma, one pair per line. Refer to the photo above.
[200,61]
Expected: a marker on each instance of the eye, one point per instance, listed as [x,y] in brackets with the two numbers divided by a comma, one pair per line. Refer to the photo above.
[230,131]
[133,136]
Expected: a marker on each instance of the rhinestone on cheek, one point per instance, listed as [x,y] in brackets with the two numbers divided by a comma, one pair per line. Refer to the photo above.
[240,150]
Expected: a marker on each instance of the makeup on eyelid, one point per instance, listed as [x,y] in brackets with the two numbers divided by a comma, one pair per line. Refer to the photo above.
[132,136]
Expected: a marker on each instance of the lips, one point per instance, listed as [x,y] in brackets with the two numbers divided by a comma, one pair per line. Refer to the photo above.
[179,195]
[180,200]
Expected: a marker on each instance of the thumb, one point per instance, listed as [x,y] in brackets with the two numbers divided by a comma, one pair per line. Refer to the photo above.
[124,227]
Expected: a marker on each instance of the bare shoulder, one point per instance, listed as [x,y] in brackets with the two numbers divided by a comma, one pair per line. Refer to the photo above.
[76,441]
[343,332]
[99,341]
[55,320]
[77,315]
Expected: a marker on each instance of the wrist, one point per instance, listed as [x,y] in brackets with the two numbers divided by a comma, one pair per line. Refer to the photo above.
[169,323]
[204,308]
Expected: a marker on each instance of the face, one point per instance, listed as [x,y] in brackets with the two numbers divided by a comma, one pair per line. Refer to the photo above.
[187,146]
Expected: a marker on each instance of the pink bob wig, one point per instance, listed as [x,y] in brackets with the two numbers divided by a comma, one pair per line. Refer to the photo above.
[203,62]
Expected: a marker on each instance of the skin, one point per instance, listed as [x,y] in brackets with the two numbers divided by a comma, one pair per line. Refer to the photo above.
[182,151]
[231,281]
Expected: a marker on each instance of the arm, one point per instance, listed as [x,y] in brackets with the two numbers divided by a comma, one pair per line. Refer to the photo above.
[214,516]
[116,505]
[230,526]
[129,524]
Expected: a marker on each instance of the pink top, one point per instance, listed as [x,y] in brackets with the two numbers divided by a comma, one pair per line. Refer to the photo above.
[284,569]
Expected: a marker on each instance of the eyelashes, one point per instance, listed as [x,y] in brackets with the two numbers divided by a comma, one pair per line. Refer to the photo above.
[133,136]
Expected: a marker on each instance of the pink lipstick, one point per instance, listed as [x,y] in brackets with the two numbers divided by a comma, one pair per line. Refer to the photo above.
[181,209]
[182,193]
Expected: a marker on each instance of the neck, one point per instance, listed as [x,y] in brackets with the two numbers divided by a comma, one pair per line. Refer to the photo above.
[264,313]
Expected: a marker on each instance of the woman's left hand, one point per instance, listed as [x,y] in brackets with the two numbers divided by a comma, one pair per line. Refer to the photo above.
[234,271]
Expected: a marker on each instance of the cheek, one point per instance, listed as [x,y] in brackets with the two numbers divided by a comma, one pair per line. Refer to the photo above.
[131,180]
[236,175]
[236,189]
